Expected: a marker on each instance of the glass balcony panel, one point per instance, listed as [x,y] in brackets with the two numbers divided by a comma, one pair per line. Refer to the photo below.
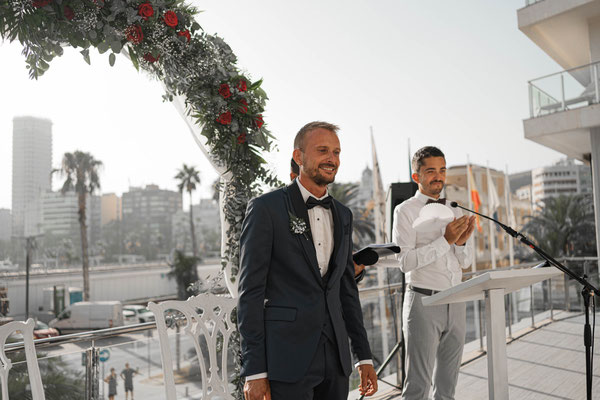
[566,90]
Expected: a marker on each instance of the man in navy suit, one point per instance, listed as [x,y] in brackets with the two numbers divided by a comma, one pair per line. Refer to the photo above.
[298,302]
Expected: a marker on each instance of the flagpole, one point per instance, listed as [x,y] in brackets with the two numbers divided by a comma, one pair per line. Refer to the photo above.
[473,240]
[473,236]
[491,241]
[509,217]
[409,163]
[379,238]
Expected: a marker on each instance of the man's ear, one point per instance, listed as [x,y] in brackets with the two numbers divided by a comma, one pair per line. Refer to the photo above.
[297,156]
[415,177]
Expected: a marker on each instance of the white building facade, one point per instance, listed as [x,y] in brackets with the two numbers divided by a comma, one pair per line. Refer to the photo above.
[563,178]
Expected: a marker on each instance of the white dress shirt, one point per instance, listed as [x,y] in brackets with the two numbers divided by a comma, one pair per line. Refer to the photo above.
[426,258]
[321,229]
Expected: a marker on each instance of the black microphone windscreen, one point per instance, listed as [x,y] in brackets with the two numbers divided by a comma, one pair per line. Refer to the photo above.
[453,204]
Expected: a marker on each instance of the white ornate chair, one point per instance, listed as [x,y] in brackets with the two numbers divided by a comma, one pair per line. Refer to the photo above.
[35,379]
[206,315]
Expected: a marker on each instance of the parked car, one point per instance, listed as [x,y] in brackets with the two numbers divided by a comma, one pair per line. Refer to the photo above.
[142,313]
[42,331]
[89,315]
[129,317]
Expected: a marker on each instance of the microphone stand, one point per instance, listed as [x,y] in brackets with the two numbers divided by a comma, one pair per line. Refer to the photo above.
[587,292]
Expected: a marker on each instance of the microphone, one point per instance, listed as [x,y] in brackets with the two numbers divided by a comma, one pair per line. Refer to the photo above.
[508,229]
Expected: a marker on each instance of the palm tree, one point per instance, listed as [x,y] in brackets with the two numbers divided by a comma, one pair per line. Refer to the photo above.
[564,226]
[80,170]
[188,177]
[182,270]
[363,225]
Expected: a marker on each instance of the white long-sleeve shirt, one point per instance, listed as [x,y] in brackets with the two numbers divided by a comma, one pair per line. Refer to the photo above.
[427,259]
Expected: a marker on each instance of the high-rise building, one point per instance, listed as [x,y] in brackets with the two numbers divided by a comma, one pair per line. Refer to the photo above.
[60,216]
[564,107]
[31,173]
[5,218]
[563,178]
[111,208]
[147,217]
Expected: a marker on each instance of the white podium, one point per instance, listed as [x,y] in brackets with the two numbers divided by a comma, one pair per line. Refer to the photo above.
[492,286]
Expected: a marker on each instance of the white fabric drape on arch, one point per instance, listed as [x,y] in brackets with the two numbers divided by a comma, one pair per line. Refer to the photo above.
[196,131]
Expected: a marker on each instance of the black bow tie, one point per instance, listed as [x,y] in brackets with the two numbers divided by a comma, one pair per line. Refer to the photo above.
[325,203]
[439,201]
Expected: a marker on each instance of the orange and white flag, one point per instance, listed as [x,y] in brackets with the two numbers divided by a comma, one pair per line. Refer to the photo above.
[474,196]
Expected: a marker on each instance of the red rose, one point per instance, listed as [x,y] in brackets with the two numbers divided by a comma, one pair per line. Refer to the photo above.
[244,106]
[69,14]
[241,138]
[170,19]
[259,121]
[150,58]
[41,3]
[225,118]
[145,10]
[134,34]
[224,91]
[186,34]
[242,86]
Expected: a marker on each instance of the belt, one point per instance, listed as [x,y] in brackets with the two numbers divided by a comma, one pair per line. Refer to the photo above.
[426,292]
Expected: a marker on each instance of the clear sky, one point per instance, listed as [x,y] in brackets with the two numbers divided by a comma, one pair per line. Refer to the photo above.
[446,73]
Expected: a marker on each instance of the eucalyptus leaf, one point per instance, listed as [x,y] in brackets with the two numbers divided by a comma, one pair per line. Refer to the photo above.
[86,55]
[116,46]
[112,59]
[102,47]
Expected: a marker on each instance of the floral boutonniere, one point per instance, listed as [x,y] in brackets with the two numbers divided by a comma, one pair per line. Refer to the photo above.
[298,225]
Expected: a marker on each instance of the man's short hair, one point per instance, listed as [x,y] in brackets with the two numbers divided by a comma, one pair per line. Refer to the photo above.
[311,126]
[422,154]
[295,169]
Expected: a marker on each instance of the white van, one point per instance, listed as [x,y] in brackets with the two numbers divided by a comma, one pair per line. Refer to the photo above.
[89,315]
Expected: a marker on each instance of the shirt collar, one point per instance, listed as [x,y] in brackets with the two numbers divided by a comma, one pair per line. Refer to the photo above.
[423,197]
[306,194]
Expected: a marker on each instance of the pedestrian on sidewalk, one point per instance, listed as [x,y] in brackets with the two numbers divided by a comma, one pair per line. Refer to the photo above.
[127,375]
[112,384]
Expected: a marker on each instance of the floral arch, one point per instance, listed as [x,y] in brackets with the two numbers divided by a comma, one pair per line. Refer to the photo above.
[221,106]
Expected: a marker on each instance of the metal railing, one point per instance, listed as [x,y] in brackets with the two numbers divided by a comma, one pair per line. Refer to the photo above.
[84,359]
[530,2]
[565,90]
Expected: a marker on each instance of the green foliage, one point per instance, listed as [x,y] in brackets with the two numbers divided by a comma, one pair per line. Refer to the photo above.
[564,226]
[183,271]
[60,382]
[363,224]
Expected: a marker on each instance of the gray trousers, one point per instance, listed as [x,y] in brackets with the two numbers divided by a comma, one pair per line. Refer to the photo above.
[435,337]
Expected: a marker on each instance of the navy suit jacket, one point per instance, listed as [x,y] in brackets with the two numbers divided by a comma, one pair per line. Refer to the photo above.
[282,297]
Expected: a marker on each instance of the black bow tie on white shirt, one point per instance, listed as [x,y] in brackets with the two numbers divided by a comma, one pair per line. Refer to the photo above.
[325,203]
[439,201]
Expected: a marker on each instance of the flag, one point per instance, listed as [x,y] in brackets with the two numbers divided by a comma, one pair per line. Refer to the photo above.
[494,201]
[474,196]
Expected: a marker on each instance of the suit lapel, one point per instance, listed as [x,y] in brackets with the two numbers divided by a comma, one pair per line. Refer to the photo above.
[298,208]
[338,230]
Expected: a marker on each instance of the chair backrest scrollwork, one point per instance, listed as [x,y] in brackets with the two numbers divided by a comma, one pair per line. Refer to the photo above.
[33,369]
[208,316]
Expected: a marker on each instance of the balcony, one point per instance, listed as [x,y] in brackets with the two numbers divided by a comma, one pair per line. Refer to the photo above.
[565,90]
[563,108]
[74,366]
